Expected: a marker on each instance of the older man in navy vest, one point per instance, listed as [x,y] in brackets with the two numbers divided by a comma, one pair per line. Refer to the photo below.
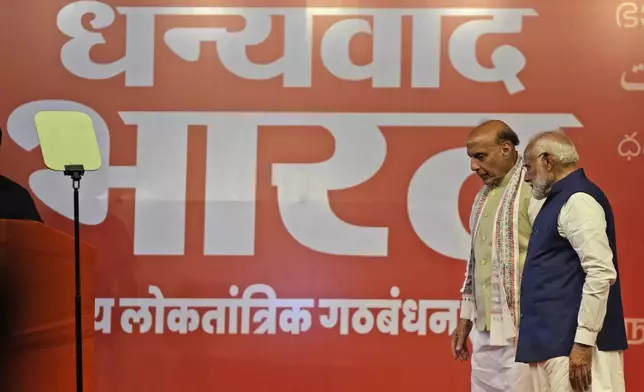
[572,324]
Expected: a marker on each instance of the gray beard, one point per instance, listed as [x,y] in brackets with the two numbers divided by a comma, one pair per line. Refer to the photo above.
[540,191]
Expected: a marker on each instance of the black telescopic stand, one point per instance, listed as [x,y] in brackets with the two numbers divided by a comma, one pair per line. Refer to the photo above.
[76,173]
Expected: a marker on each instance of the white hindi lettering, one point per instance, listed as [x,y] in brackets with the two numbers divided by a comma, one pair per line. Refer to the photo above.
[160,177]
[362,320]
[439,322]
[183,320]
[508,61]
[222,316]
[294,317]
[260,312]
[385,69]
[143,317]
[138,61]
[416,319]
[103,314]
[295,65]
[635,331]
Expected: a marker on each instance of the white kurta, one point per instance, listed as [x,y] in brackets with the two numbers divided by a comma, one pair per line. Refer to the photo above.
[494,368]
[582,221]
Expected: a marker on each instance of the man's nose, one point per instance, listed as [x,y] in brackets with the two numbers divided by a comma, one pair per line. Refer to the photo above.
[473,165]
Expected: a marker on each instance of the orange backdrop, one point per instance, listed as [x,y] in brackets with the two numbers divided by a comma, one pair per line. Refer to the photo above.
[316,148]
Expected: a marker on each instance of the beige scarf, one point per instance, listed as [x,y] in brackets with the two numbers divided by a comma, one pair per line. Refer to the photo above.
[505,258]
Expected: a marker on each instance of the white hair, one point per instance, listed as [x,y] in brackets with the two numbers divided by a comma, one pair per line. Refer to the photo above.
[556,144]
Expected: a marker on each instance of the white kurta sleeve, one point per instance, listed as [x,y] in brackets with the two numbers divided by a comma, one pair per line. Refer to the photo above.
[582,222]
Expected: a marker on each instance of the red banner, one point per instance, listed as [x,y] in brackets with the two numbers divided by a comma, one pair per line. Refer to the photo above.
[284,191]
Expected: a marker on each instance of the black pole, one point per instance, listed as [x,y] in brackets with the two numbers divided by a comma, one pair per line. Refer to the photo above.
[79,329]
[76,172]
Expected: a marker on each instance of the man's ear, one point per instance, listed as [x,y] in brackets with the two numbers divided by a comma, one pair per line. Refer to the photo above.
[506,148]
[547,158]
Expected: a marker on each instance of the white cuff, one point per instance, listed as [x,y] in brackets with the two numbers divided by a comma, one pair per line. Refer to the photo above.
[467,309]
[584,336]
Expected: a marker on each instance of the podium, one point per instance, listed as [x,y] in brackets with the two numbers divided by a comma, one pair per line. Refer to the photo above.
[37,327]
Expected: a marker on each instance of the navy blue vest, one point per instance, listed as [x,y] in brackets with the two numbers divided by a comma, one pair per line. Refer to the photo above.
[552,282]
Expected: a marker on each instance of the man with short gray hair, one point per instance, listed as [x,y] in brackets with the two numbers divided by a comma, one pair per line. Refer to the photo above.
[572,329]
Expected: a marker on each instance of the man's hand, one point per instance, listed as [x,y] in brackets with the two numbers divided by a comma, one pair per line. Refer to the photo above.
[459,340]
[580,367]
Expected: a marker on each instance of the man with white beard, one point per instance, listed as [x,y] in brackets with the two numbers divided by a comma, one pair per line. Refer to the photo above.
[571,331]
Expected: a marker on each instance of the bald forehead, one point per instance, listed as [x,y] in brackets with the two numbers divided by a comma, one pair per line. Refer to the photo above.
[487,132]
[481,140]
